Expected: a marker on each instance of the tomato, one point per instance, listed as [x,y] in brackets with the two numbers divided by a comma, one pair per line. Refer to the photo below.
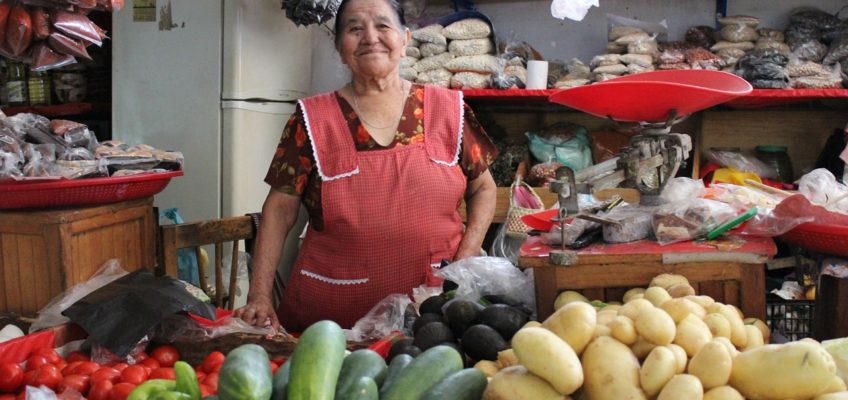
[163,373]
[212,381]
[61,365]
[120,366]
[11,376]
[47,375]
[85,368]
[77,356]
[106,373]
[205,390]
[274,367]
[80,383]
[200,375]
[51,355]
[134,374]
[213,362]
[152,364]
[166,355]
[35,361]
[100,390]
[121,391]
[69,369]
[141,356]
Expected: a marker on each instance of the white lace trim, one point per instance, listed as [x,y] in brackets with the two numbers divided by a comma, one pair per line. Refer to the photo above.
[315,149]
[459,136]
[333,281]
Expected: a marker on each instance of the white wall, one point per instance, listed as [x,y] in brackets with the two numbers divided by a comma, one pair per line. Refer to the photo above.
[531,21]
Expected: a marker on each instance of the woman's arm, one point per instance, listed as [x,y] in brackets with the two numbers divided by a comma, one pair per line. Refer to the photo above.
[279,214]
[480,197]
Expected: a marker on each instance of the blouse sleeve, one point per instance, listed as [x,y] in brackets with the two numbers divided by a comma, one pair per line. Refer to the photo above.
[293,159]
[478,151]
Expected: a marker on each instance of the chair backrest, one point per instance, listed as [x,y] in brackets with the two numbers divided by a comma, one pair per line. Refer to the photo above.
[210,232]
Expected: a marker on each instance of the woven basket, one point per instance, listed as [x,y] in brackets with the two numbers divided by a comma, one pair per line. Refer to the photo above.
[515,227]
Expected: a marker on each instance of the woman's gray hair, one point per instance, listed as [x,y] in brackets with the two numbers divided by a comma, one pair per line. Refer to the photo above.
[337,25]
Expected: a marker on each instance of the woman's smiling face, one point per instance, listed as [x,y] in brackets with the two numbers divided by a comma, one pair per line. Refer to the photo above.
[371,38]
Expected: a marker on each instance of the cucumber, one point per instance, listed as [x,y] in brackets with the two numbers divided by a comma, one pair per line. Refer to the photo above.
[398,364]
[466,384]
[363,389]
[245,374]
[359,364]
[423,372]
[281,382]
[316,362]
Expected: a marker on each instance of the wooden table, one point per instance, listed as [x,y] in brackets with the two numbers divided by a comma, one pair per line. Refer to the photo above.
[730,271]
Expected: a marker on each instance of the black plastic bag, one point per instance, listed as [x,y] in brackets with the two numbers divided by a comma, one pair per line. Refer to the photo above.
[118,315]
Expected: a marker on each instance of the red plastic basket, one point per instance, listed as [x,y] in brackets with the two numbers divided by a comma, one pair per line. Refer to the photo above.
[828,239]
[82,192]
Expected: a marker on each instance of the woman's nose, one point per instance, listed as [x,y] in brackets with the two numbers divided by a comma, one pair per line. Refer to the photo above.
[370,35]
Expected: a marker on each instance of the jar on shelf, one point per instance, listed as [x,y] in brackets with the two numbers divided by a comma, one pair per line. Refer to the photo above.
[777,158]
[39,88]
[16,84]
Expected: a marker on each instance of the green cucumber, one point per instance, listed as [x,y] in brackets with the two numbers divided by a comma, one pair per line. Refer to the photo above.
[398,364]
[281,382]
[359,364]
[245,374]
[466,384]
[426,370]
[363,389]
[316,362]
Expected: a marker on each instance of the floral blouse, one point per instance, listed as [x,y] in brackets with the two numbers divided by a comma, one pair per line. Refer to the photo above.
[292,169]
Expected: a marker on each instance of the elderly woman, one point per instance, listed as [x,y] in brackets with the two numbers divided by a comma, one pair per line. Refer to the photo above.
[381,165]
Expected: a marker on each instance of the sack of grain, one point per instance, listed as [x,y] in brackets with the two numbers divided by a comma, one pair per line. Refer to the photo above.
[808,68]
[739,20]
[642,60]
[644,46]
[566,82]
[438,77]
[615,69]
[413,43]
[469,28]
[721,45]
[631,38]
[430,34]
[470,80]
[432,49]
[470,47]
[604,77]
[516,71]
[578,70]
[619,31]
[772,44]
[484,64]
[409,74]
[615,48]
[408,62]
[772,34]
[433,62]
[739,33]
[636,68]
[413,52]
[605,59]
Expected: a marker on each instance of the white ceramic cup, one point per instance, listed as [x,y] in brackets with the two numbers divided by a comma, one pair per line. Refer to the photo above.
[537,74]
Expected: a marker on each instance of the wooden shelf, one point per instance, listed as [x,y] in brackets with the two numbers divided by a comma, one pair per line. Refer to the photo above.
[58,110]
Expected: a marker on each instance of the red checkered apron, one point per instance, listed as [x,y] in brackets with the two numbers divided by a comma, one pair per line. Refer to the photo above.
[389,215]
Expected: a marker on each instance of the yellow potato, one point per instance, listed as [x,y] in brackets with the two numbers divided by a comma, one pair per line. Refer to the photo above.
[605,316]
[642,348]
[761,326]
[544,354]
[517,383]
[723,393]
[575,323]
[614,303]
[628,295]
[731,349]
[680,358]
[738,311]
[702,300]
[678,309]
[611,307]
[833,396]
[755,337]
[507,358]
[738,335]
[534,324]
[795,370]
[682,386]
[681,290]
[611,371]
[601,330]
[657,295]
[656,326]
[836,385]
[692,333]
[490,368]
[711,365]
[568,296]
[718,324]
[657,369]
[665,281]
[623,330]
[634,307]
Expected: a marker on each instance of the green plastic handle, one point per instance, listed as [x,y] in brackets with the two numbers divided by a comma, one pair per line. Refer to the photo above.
[732,223]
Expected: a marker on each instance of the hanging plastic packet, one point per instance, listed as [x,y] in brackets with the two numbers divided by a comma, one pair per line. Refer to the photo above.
[76,26]
[18,30]
[65,45]
[44,58]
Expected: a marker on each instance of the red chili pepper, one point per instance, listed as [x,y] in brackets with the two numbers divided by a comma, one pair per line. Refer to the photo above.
[383,345]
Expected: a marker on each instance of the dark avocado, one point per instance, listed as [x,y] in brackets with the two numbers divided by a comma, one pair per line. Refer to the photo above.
[425,319]
[399,347]
[413,351]
[506,320]
[433,305]
[433,334]
[481,342]
[461,314]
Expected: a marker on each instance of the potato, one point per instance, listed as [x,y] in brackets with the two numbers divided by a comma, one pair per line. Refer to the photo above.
[702,300]
[795,370]
[642,348]
[682,386]
[568,296]
[623,330]
[628,295]
[544,354]
[507,358]
[718,324]
[711,365]
[836,385]
[656,326]
[490,368]
[665,281]
[657,369]
[534,324]
[738,335]
[731,349]
[601,330]
[723,393]
[761,326]
[616,304]
[657,295]
[606,316]
[611,371]
[678,309]
[833,396]
[634,307]
[692,333]
[517,383]
[738,311]
[680,290]
[574,323]
[680,358]
[755,337]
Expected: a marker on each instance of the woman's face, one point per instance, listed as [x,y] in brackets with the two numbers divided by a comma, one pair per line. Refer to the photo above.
[371,41]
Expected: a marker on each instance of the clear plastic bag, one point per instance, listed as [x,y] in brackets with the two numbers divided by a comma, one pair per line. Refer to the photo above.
[741,162]
[821,188]
[573,231]
[104,356]
[568,144]
[542,173]
[689,219]
[682,188]
[505,245]
[182,328]
[484,276]
[616,23]
[739,33]
[386,316]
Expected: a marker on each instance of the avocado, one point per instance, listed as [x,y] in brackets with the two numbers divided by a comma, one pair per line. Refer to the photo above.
[432,305]
[425,319]
[506,320]
[413,351]
[461,314]
[481,342]
[432,334]
[398,347]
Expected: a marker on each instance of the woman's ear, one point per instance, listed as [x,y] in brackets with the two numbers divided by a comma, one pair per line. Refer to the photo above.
[408,37]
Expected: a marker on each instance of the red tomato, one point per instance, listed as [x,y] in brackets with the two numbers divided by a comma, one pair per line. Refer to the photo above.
[69,369]
[121,391]
[141,356]
[274,367]
[61,365]
[85,368]
[213,362]
[80,383]
[11,376]
[52,356]
[163,373]
[100,390]
[35,361]
[134,374]
[120,366]
[77,356]
[205,390]
[47,375]
[200,375]
[106,373]
[166,355]
[152,363]
[211,380]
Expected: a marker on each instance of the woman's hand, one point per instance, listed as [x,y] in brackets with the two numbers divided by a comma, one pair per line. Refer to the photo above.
[258,312]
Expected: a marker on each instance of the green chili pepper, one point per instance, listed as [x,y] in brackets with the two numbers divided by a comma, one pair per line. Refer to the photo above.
[187,380]
[170,395]
[148,389]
